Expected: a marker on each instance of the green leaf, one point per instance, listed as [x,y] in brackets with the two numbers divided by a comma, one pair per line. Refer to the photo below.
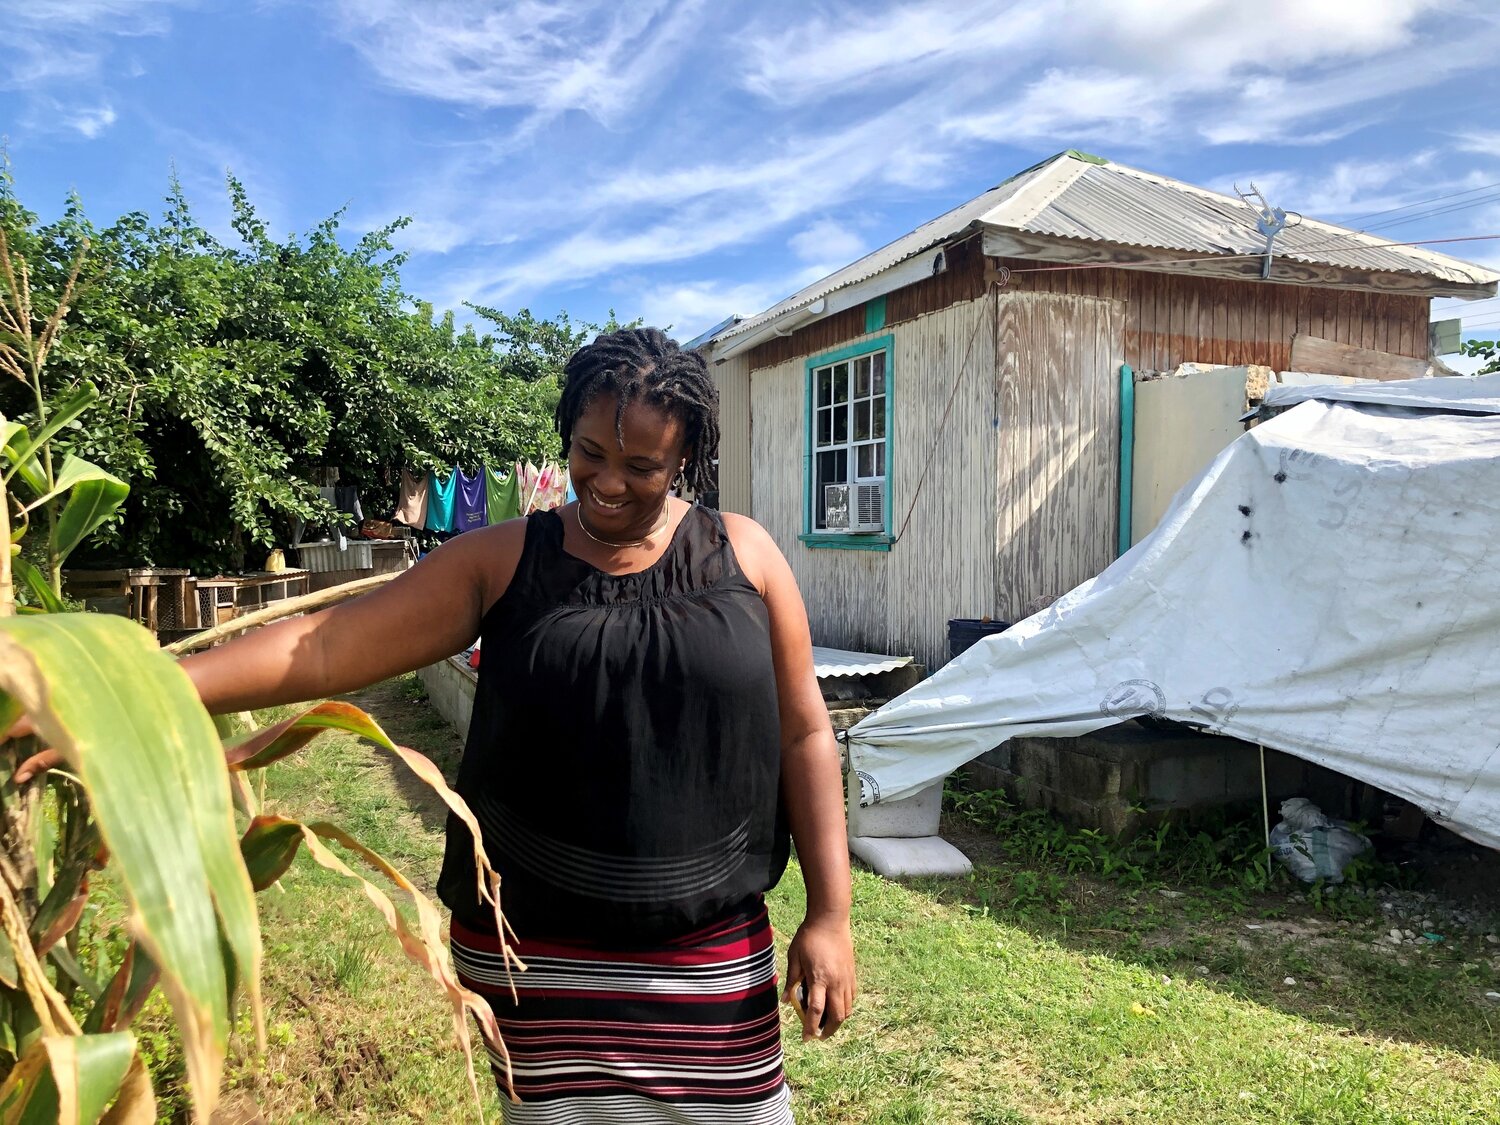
[269,845]
[75,471]
[126,994]
[75,972]
[8,970]
[130,725]
[16,436]
[92,502]
[261,748]
[37,583]
[67,1079]
[65,413]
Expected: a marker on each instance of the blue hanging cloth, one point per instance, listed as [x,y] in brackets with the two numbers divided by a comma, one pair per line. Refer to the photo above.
[440,501]
[469,506]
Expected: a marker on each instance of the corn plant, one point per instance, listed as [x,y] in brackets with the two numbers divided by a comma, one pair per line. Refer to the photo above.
[135,777]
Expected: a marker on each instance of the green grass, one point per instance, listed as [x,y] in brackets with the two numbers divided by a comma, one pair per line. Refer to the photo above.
[1024,994]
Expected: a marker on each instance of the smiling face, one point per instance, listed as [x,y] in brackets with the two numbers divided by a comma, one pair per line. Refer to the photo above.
[622,486]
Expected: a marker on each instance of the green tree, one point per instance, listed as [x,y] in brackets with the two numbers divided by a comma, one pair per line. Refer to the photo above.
[229,375]
[1488,350]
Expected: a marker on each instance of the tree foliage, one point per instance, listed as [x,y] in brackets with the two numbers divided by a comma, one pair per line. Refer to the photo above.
[229,374]
[1488,350]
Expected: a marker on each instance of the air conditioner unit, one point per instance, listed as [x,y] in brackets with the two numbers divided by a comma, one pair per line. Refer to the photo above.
[856,507]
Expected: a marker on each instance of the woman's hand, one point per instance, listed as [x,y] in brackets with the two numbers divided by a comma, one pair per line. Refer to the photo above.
[39,762]
[821,958]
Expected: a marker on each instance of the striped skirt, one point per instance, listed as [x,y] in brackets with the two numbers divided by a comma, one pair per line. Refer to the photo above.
[686,1033]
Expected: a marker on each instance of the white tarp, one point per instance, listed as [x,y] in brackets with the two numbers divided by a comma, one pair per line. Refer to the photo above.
[1330,587]
[1479,395]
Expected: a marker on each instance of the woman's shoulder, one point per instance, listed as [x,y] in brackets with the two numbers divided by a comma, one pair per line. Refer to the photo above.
[753,547]
[491,555]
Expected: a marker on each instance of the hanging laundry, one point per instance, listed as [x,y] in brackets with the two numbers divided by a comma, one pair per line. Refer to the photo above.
[333,532]
[502,495]
[552,487]
[468,508]
[530,476]
[346,500]
[440,500]
[411,504]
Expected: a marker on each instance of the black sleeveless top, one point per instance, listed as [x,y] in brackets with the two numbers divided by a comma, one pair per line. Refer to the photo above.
[624,757]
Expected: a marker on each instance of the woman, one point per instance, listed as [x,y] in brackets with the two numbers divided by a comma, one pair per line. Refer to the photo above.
[647,728]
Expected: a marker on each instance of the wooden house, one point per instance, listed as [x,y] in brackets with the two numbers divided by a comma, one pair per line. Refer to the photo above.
[934,431]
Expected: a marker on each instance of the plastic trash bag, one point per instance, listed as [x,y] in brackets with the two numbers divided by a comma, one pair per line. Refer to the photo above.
[1311,845]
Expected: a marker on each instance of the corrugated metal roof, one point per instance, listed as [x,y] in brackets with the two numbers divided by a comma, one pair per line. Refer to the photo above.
[1116,204]
[837,662]
[934,233]
[1073,195]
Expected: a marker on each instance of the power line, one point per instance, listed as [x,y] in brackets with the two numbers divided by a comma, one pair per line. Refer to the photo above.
[1436,211]
[1420,203]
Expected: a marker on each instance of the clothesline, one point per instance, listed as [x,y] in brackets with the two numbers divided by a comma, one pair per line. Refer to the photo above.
[464,502]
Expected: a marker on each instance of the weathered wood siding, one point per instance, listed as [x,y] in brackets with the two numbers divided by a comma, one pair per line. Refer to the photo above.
[1058,449]
[944,564]
[1038,401]
[735,423]
[1020,498]
[1170,319]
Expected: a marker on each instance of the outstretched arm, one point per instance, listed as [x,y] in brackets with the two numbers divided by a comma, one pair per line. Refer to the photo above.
[426,614]
[821,956]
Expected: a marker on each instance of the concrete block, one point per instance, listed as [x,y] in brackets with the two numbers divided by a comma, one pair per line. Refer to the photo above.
[450,688]
[923,855]
[913,816]
[898,681]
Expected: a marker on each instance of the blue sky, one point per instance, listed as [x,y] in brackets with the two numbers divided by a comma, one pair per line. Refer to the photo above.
[685,160]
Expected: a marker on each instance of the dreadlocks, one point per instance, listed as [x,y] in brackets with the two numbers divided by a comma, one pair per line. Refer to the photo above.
[643,364]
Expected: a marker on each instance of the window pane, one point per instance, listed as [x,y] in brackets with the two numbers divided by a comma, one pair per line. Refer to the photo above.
[880,460]
[825,386]
[841,465]
[862,377]
[825,475]
[861,421]
[841,382]
[841,423]
[866,461]
[878,422]
[825,426]
[879,366]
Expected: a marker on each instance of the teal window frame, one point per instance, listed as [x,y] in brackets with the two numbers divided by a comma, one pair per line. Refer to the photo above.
[847,540]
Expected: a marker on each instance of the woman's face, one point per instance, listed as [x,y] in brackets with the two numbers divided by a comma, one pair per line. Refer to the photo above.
[623,485]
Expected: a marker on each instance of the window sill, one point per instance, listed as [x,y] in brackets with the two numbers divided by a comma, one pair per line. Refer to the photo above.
[841,542]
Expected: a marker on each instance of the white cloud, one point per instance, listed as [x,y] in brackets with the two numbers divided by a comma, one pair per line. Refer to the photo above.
[690,307]
[1486,142]
[835,54]
[1076,104]
[779,116]
[91,122]
[55,41]
[1349,188]
[601,58]
[827,243]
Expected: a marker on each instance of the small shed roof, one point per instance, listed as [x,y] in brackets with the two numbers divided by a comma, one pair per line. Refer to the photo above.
[841,662]
[1089,199]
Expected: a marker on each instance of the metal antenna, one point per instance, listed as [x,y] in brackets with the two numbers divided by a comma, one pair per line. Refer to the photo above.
[1270,221]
